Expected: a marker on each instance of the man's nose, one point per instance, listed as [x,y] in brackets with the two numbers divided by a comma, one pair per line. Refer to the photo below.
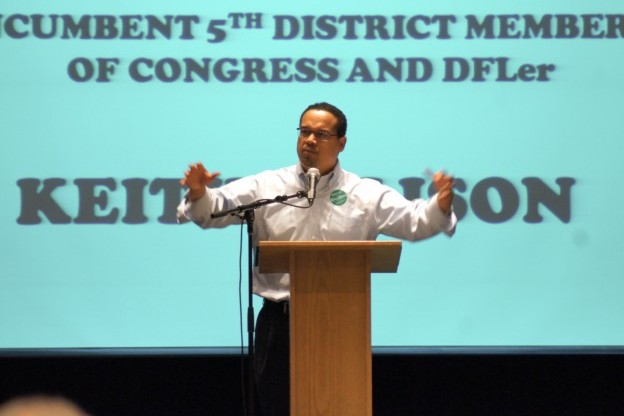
[311,138]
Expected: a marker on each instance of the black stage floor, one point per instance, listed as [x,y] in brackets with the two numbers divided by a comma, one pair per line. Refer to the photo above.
[406,381]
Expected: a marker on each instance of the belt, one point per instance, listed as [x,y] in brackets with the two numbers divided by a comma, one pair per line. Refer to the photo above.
[283,305]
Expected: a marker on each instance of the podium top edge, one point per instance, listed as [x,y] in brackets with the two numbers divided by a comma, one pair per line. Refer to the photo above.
[274,255]
[330,244]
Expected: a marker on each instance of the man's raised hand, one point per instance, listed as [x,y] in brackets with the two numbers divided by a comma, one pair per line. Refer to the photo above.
[196,178]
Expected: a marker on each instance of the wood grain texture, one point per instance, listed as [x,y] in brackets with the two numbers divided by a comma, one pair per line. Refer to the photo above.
[330,320]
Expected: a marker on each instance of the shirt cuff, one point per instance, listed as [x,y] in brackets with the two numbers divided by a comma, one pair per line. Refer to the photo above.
[445,222]
[195,211]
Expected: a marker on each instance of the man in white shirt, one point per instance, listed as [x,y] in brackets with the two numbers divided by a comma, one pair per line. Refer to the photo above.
[346,207]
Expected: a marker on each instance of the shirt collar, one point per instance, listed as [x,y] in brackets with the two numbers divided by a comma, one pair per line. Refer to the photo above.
[326,181]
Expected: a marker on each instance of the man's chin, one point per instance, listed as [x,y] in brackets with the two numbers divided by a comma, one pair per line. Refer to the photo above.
[307,162]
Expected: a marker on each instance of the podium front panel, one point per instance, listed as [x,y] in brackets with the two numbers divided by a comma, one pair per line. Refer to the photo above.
[331,362]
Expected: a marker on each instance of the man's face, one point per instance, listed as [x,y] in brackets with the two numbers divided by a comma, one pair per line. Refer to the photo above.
[314,150]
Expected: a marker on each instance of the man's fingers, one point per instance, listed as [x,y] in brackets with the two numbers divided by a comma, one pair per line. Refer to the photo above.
[197,175]
[442,181]
[444,184]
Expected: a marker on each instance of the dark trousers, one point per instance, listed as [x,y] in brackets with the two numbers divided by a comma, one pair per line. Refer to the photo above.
[272,359]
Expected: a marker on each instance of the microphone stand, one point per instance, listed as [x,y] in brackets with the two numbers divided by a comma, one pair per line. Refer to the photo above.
[248,216]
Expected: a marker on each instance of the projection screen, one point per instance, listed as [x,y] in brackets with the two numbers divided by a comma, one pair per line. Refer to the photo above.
[104,104]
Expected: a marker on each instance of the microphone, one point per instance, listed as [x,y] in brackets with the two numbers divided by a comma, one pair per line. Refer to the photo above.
[313,175]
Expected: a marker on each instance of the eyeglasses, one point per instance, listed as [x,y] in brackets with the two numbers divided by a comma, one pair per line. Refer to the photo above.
[320,135]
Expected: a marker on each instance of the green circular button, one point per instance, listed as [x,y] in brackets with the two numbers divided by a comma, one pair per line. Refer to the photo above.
[338,197]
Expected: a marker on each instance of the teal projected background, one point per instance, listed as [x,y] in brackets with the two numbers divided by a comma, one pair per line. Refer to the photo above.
[98,121]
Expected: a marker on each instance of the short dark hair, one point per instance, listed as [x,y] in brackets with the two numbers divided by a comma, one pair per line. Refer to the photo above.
[341,129]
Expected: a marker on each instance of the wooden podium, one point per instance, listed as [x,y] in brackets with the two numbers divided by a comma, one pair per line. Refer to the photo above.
[330,320]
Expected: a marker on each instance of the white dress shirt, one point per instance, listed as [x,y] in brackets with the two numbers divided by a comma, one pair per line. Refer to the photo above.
[346,207]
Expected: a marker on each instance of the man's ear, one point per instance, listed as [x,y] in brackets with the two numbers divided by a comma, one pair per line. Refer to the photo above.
[343,143]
